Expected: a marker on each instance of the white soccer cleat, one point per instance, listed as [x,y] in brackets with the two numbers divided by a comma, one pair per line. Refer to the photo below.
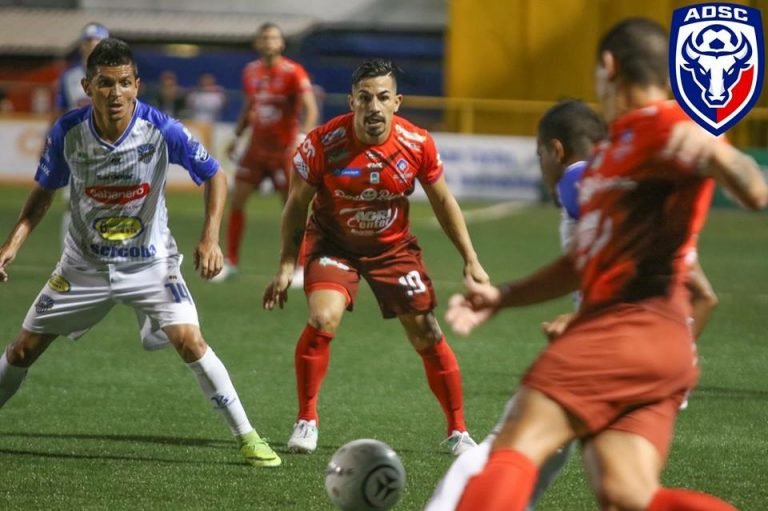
[304,437]
[459,442]
[227,272]
[298,278]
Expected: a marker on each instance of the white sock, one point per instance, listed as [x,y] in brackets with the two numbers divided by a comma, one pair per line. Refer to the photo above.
[11,377]
[217,386]
[451,487]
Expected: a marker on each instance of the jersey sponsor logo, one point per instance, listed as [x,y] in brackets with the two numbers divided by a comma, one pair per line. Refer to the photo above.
[201,154]
[327,261]
[716,65]
[59,284]
[118,228]
[592,185]
[44,304]
[135,252]
[301,166]
[146,151]
[347,172]
[369,194]
[117,194]
[333,136]
[367,221]
[374,178]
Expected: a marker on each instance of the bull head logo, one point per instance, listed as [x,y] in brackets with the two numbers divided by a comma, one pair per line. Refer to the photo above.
[716,62]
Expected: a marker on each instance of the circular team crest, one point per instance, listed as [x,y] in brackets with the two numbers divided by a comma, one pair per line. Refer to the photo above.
[716,62]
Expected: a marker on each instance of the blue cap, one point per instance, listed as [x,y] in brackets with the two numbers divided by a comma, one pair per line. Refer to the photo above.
[94,31]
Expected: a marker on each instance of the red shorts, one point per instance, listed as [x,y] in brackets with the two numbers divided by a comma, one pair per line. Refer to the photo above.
[625,368]
[398,276]
[260,163]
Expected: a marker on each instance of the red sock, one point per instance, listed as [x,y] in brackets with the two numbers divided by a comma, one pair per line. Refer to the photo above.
[313,352]
[235,235]
[675,499]
[505,484]
[444,379]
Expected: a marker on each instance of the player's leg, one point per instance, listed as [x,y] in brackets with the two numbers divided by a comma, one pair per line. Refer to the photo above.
[443,375]
[533,431]
[241,192]
[17,358]
[216,385]
[331,286]
[703,297]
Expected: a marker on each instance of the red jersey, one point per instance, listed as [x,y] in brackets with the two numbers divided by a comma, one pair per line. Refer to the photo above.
[275,94]
[640,213]
[362,190]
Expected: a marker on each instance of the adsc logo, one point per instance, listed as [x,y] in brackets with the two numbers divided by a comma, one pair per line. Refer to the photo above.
[716,63]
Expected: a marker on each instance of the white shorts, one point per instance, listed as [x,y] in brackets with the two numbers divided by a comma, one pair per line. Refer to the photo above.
[78,295]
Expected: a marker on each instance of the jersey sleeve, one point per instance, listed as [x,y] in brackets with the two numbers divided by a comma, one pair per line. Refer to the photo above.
[185,150]
[568,192]
[308,159]
[432,166]
[53,171]
[302,80]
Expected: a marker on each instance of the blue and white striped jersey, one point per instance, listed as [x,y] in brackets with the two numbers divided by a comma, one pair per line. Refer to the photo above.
[117,191]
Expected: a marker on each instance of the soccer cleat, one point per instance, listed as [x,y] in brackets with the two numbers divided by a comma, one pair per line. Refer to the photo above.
[459,442]
[304,437]
[226,273]
[257,452]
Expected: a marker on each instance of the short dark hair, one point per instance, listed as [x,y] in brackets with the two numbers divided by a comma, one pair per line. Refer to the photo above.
[376,67]
[574,124]
[268,25]
[640,48]
[110,53]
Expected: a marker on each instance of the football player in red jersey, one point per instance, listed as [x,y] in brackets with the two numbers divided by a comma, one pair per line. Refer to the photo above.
[357,171]
[277,92]
[617,375]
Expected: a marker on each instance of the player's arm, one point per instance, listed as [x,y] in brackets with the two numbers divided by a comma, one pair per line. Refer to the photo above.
[737,172]
[35,208]
[209,259]
[451,219]
[294,220]
[703,297]
[311,112]
[240,125]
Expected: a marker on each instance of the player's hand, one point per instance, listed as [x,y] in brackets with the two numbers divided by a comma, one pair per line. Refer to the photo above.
[690,145]
[6,257]
[276,292]
[555,328]
[209,259]
[475,307]
[473,271]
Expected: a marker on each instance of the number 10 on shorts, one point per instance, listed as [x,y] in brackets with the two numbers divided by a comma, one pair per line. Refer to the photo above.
[413,283]
[179,292]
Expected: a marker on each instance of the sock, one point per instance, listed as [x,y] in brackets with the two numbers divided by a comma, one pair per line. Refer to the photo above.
[11,377]
[217,387]
[461,471]
[444,379]
[505,484]
[235,230]
[313,353]
[675,499]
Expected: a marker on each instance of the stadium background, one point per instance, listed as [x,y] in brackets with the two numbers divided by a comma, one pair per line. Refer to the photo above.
[101,424]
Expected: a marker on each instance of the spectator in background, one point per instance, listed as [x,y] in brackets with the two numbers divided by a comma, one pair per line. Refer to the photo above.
[276,89]
[6,105]
[170,98]
[206,102]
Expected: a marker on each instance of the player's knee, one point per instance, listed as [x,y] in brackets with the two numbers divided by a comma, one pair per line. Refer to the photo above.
[21,354]
[325,320]
[624,494]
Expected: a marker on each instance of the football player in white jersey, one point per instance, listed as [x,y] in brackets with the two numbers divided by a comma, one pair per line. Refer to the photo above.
[114,155]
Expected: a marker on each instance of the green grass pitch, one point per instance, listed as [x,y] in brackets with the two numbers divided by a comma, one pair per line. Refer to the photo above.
[102,424]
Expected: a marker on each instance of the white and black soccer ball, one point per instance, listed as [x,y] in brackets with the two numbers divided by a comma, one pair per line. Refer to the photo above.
[364,475]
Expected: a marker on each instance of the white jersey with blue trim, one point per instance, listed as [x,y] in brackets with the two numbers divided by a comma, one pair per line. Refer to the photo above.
[568,197]
[117,190]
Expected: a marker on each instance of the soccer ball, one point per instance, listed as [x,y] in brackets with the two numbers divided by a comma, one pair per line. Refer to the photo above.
[364,475]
